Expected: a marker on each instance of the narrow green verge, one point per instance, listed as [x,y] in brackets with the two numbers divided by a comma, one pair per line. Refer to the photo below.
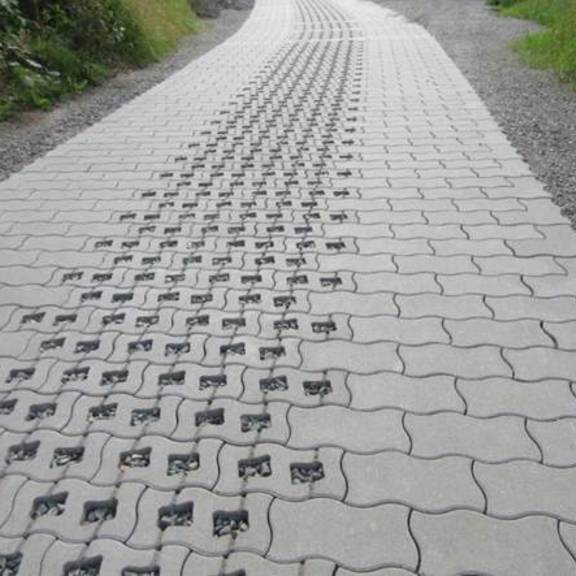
[555,46]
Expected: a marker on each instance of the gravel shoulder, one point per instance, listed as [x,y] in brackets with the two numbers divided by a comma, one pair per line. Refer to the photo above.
[35,133]
[535,110]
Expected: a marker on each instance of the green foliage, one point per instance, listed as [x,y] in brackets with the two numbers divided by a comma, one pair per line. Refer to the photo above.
[10,17]
[103,29]
[162,23]
[554,47]
[53,48]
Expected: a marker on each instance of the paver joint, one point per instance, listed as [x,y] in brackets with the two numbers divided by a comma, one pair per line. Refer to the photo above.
[299,310]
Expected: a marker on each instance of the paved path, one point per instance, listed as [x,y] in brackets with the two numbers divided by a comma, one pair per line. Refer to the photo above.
[298,311]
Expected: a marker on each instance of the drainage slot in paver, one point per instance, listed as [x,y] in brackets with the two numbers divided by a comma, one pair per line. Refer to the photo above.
[41,411]
[20,375]
[284,301]
[102,412]
[274,384]
[34,318]
[145,571]
[215,417]
[22,452]
[183,463]
[150,260]
[286,324]
[100,511]
[7,406]
[271,352]
[255,422]
[213,381]
[145,277]
[122,297]
[172,378]
[144,416]
[113,377]
[65,319]
[140,346]
[147,320]
[91,295]
[68,276]
[87,346]
[169,297]
[138,458]
[176,515]
[67,455]
[75,374]
[323,327]
[102,277]
[201,298]
[52,344]
[113,319]
[203,320]
[230,523]
[238,349]
[233,323]
[259,466]
[176,348]
[250,298]
[49,505]
[86,567]
[306,472]
[10,564]
[317,387]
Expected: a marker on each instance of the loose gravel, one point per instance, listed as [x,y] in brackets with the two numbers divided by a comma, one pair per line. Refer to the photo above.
[535,110]
[35,133]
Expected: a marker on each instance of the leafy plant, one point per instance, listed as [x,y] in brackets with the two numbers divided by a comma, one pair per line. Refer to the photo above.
[52,48]
[11,18]
[555,46]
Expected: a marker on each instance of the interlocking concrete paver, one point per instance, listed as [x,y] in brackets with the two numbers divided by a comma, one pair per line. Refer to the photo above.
[542,400]
[432,485]
[422,305]
[515,489]
[526,546]
[389,390]
[475,362]
[493,440]
[556,439]
[352,430]
[504,285]
[360,539]
[479,331]
[538,363]
[299,310]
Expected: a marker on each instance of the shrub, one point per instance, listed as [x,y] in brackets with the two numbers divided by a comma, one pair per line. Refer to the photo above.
[51,48]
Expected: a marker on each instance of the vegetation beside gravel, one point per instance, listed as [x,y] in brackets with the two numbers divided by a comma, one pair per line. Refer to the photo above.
[50,49]
[555,46]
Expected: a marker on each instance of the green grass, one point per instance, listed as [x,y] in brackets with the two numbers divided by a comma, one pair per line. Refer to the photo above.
[72,44]
[555,46]
[163,24]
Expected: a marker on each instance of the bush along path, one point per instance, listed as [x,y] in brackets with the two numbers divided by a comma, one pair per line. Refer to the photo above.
[50,49]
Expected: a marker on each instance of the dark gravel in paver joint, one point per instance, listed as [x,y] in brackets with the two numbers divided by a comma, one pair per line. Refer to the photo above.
[536,111]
